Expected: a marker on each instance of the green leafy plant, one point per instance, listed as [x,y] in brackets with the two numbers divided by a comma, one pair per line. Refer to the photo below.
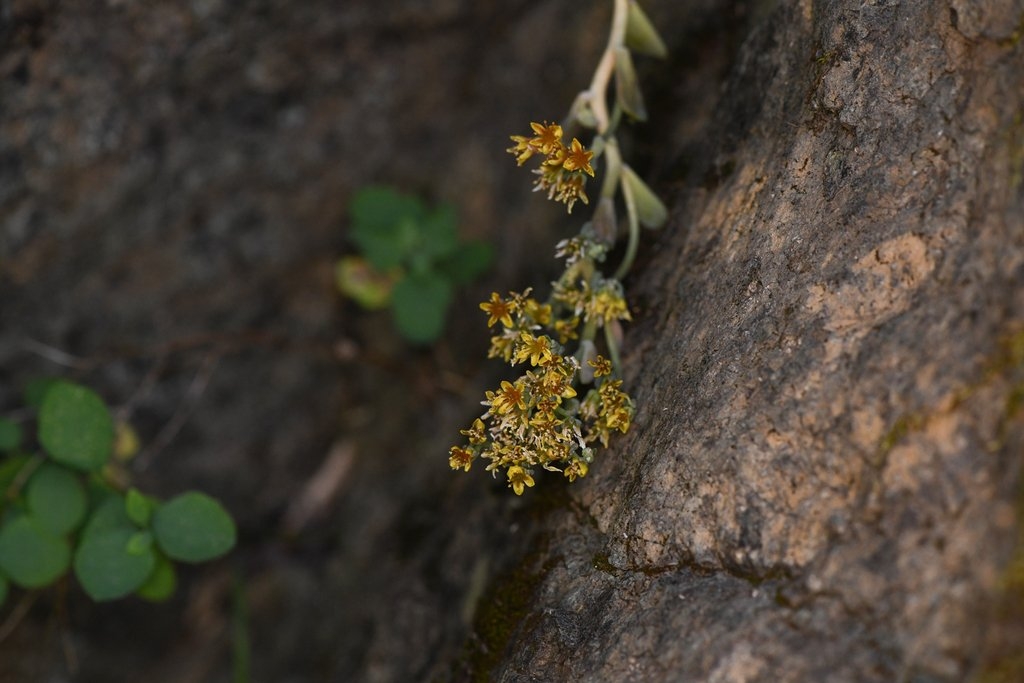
[412,259]
[62,509]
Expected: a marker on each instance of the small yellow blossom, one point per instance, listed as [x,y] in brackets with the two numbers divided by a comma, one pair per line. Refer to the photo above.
[509,396]
[536,349]
[577,158]
[477,434]
[461,458]
[576,469]
[518,478]
[498,310]
[501,347]
[607,305]
[538,312]
[548,139]
[561,186]
[566,329]
[602,366]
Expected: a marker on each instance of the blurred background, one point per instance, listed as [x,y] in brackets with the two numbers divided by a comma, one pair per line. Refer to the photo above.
[175,181]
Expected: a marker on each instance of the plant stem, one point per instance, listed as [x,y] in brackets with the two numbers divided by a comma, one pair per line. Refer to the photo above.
[613,349]
[597,93]
[634,232]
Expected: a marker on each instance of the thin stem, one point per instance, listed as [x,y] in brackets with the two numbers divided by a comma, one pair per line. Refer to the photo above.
[613,348]
[598,91]
[634,233]
[613,168]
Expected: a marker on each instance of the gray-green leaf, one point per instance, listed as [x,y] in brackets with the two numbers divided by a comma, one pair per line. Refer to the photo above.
[651,211]
[641,34]
[627,86]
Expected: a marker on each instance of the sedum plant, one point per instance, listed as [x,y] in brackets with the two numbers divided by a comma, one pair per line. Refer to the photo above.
[62,508]
[570,398]
[412,260]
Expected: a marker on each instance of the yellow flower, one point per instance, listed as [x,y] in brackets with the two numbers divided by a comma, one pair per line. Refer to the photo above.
[557,383]
[577,468]
[523,150]
[509,396]
[607,304]
[536,349]
[498,310]
[476,433]
[501,347]
[566,329]
[518,478]
[577,158]
[561,186]
[602,366]
[549,137]
[461,458]
[538,312]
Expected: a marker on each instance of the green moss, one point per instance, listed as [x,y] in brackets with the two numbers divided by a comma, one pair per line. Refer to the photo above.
[505,607]
[1015,145]
[904,424]
[1014,38]
[603,564]
[1006,363]
[1004,661]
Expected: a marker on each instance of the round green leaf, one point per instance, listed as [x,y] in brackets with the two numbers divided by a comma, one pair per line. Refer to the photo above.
[56,498]
[105,567]
[75,427]
[138,508]
[193,527]
[30,555]
[10,434]
[4,589]
[161,582]
[420,302]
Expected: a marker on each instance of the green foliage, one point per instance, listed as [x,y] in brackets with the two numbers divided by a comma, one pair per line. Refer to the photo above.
[420,302]
[412,259]
[56,498]
[138,507]
[10,434]
[62,509]
[75,427]
[193,528]
[30,554]
[161,582]
[106,567]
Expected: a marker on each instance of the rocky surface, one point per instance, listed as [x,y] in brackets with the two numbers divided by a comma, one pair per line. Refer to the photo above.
[822,478]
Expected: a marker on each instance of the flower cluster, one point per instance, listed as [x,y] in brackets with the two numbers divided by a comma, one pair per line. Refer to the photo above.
[564,168]
[539,420]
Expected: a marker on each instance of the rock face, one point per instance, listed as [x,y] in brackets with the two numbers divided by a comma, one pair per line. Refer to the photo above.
[828,353]
[821,481]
